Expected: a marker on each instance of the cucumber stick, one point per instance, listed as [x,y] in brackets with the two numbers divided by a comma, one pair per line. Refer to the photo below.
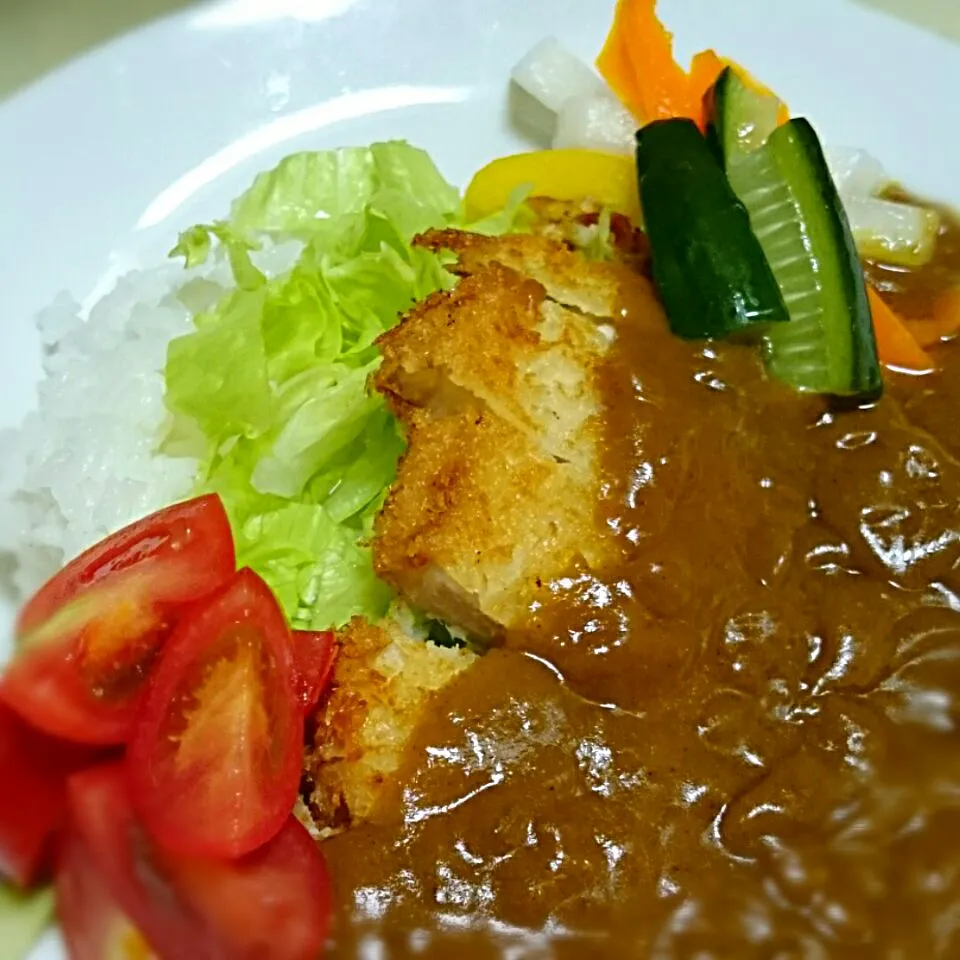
[740,118]
[828,346]
[708,266]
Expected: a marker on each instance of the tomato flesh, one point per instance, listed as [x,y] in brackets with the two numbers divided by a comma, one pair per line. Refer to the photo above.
[33,795]
[215,757]
[275,902]
[315,654]
[272,903]
[93,925]
[88,638]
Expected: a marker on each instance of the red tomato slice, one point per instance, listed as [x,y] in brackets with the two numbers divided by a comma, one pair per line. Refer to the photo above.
[88,638]
[93,925]
[215,758]
[272,903]
[314,653]
[275,902]
[33,795]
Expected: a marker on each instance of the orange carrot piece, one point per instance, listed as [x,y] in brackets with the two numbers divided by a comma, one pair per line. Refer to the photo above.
[656,87]
[616,68]
[638,64]
[704,70]
[705,67]
[946,313]
[667,92]
[942,324]
[895,343]
[928,332]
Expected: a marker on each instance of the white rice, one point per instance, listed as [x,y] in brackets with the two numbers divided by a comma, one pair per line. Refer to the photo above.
[86,461]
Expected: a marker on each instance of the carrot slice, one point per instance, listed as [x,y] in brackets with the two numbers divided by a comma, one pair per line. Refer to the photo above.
[638,64]
[895,343]
[615,66]
[943,324]
[946,314]
[655,87]
[704,70]
[928,332]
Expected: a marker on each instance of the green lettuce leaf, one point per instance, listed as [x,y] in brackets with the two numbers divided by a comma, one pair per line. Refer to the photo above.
[515,217]
[218,376]
[276,377]
[195,244]
[313,192]
[275,380]
[600,246]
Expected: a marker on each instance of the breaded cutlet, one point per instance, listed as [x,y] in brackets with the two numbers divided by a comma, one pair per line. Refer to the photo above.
[382,684]
[496,383]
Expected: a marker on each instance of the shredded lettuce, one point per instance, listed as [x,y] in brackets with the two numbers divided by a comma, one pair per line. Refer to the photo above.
[276,377]
[24,915]
[600,240]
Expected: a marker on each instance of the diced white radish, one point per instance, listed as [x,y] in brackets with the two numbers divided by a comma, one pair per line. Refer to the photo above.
[855,172]
[898,233]
[551,74]
[595,122]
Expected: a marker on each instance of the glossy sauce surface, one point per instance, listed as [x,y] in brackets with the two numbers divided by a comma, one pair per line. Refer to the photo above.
[741,739]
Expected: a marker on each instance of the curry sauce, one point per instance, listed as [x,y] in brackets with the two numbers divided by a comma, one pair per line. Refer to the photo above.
[740,739]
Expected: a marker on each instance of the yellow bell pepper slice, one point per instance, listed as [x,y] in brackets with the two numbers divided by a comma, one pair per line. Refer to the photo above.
[606,178]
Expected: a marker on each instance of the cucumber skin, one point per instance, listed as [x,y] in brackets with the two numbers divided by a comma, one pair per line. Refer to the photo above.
[694,222]
[866,379]
[730,103]
[716,103]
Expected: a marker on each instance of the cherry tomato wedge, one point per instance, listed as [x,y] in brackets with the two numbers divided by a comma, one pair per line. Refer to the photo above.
[93,925]
[272,903]
[215,758]
[33,795]
[314,653]
[88,638]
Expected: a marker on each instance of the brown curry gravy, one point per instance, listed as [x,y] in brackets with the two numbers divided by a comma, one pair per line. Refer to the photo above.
[741,741]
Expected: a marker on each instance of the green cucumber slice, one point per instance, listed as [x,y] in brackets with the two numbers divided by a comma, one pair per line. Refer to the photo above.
[797,216]
[739,118]
[709,268]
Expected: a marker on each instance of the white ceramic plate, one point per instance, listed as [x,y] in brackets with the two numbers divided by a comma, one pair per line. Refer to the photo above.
[104,161]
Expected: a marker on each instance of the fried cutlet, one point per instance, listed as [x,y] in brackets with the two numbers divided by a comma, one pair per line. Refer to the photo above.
[496,383]
[383,682]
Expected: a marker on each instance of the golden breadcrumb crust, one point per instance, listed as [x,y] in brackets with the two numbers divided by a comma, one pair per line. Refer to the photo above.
[382,684]
[497,385]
